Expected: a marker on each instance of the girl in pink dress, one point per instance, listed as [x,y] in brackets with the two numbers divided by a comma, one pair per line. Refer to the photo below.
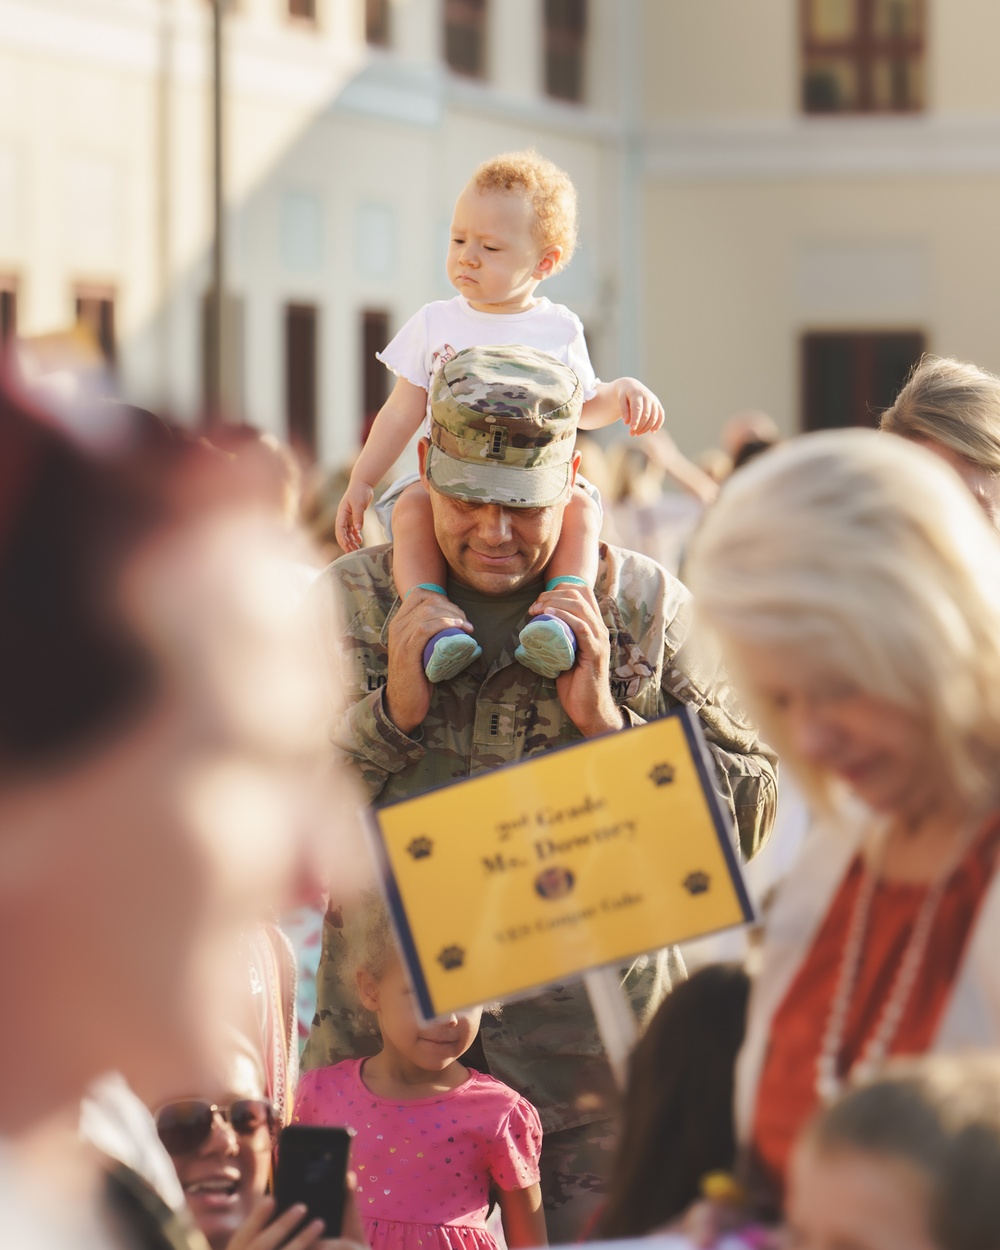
[431,1136]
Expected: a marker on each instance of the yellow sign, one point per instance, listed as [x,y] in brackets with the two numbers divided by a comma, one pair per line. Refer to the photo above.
[541,870]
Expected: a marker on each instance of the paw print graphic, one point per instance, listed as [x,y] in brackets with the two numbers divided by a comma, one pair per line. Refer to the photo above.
[661,774]
[697,882]
[451,957]
[420,848]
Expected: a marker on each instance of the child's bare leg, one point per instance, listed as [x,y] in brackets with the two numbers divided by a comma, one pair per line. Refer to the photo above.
[417,561]
[576,551]
[547,644]
[416,556]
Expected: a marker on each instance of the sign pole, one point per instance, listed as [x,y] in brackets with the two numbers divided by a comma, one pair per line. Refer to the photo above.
[615,1019]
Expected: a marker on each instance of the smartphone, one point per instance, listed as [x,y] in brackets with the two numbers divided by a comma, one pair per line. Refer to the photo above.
[312,1167]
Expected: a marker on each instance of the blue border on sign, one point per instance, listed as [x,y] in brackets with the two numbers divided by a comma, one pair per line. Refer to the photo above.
[394,901]
[698,746]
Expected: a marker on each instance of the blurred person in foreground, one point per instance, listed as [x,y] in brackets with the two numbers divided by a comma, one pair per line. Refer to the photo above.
[645,514]
[157,782]
[907,1162]
[743,437]
[677,1110]
[746,434]
[953,409]
[276,473]
[270,464]
[855,589]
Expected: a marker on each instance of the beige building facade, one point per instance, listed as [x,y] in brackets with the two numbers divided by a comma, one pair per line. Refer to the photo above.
[721,222]
[765,223]
[342,162]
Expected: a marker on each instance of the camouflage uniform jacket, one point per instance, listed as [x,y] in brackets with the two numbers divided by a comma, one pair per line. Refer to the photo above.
[545,1046]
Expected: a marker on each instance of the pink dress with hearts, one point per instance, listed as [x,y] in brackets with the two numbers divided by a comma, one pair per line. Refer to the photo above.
[425,1167]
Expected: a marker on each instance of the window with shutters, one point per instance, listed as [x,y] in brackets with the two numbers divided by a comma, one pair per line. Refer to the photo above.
[302,10]
[465,36]
[374,374]
[377,28]
[8,308]
[565,44]
[301,377]
[850,378]
[863,56]
[95,310]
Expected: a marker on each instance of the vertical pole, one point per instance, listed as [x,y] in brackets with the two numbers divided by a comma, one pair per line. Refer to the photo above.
[164,163]
[630,291]
[216,298]
[615,1019]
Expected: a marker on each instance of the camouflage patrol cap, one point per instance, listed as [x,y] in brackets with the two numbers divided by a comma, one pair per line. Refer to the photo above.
[503,426]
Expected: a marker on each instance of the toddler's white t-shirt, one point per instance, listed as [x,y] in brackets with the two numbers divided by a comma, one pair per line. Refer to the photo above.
[442,329]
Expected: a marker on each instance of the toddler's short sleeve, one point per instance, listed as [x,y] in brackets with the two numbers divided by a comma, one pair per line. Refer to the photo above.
[578,359]
[409,355]
[516,1150]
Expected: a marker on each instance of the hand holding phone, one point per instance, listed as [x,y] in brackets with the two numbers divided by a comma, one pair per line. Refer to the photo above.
[312,1167]
[262,1230]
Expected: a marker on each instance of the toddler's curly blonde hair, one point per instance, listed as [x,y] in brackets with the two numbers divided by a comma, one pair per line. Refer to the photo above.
[552,195]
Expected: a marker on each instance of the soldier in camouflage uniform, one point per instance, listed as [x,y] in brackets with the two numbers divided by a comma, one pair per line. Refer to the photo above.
[499,466]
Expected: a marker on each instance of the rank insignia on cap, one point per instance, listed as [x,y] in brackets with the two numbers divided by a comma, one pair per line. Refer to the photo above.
[498,444]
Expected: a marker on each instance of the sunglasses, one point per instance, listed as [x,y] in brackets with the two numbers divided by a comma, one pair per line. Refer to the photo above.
[184,1126]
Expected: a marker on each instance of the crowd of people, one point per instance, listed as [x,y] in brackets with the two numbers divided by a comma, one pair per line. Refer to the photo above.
[194,710]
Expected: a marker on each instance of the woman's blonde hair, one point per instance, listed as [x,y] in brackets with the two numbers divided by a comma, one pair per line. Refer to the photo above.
[952,403]
[942,1115]
[547,187]
[866,558]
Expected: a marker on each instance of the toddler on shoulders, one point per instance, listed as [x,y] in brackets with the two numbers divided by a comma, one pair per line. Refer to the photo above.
[514,225]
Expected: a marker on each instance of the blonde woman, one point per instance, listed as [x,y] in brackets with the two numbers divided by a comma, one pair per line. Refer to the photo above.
[855,588]
[953,409]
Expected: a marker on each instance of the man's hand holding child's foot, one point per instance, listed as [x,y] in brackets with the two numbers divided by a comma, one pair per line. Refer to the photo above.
[547,645]
[451,649]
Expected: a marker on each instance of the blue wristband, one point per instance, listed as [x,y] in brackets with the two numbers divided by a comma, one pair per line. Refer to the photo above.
[558,581]
[438,590]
